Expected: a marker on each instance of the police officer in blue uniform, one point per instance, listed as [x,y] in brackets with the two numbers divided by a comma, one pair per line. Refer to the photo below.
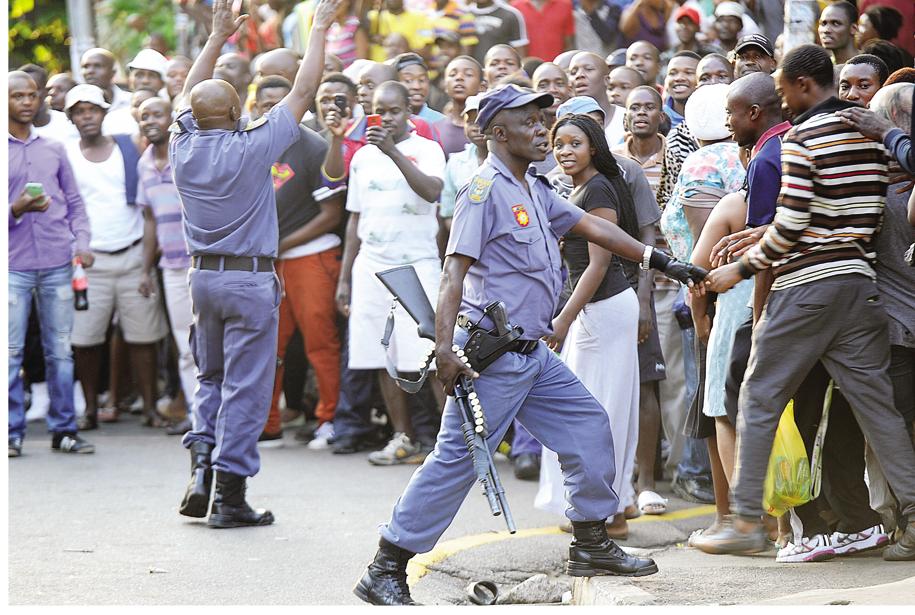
[222,172]
[504,246]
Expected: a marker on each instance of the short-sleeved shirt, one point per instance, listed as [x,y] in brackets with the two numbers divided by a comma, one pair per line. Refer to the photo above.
[453,137]
[296,175]
[597,192]
[497,23]
[547,26]
[460,169]
[156,190]
[513,238]
[226,185]
[415,26]
[396,225]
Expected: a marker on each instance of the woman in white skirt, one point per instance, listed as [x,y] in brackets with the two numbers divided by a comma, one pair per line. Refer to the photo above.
[597,329]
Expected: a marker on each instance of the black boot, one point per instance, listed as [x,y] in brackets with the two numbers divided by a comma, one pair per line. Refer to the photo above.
[229,506]
[385,581]
[197,497]
[592,553]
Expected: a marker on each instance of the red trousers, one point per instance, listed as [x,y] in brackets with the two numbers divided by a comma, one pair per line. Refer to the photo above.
[310,283]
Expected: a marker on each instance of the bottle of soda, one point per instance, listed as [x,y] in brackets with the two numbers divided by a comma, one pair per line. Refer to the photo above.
[80,286]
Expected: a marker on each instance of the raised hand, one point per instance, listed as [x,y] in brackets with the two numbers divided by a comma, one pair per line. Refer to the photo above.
[225,21]
[325,13]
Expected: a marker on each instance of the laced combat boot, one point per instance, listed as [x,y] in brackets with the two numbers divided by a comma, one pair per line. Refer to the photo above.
[229,506]
[385,581]
[592,553]
[197,497]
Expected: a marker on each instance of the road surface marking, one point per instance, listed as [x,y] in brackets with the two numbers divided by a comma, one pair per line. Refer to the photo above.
[419,565]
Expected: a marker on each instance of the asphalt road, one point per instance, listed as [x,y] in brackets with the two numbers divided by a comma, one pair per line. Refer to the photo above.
[104,529]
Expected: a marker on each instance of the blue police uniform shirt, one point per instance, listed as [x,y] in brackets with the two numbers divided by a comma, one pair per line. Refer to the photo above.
[514,238]
[224,180]
[764,180]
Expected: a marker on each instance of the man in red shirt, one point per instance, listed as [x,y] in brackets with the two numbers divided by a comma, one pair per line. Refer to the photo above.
[550,26]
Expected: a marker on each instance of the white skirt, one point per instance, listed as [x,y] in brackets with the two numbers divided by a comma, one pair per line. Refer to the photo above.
[602,350]
[370,304]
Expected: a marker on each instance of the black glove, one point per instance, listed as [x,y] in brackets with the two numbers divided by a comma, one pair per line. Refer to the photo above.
[675,270]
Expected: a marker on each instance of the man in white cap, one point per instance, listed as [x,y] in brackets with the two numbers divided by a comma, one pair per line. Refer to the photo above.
[731,22]
[147,71]
[105,169]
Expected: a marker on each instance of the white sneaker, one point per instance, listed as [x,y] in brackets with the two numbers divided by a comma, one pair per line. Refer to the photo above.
[815,549]
[323,435]
[399,450]
[865,540]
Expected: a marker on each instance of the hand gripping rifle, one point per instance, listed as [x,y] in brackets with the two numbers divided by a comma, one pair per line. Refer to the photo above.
[482,348]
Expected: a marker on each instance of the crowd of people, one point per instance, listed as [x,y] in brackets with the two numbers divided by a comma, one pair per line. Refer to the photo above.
[786,173]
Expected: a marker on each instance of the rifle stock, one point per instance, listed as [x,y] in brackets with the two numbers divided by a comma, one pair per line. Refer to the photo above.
[404,284]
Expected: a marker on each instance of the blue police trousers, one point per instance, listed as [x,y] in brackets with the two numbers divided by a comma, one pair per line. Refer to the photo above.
[236,314]
[551,403]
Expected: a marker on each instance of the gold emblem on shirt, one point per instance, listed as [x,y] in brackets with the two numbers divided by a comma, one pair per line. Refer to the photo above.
[254,124]
[479,189]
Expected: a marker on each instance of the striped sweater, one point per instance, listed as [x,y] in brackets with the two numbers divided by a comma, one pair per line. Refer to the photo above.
[831,202]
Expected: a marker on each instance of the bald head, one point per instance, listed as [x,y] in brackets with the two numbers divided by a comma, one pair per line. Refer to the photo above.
[379,72]
[97,68]
[215,104]
[280,62]
[589,76]
[894,102]
[394,89]
[756,88]
[235,69]
[19,77]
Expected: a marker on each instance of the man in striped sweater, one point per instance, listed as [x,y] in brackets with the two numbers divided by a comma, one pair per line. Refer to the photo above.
[824,303]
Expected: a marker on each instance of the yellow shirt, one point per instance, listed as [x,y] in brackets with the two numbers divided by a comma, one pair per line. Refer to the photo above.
[415,27]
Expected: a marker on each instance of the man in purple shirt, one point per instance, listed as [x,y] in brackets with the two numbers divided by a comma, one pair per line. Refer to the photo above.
[222,170]
[43,229]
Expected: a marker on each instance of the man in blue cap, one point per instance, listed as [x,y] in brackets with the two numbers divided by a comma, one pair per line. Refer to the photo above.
[504,246]
[222,173]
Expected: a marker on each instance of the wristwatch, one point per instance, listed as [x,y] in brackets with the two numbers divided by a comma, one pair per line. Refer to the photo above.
[646,256]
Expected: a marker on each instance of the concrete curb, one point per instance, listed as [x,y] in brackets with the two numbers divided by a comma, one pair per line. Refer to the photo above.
[599,591]
[898,593]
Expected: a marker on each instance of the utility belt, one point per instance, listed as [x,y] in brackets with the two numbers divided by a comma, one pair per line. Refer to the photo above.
[220,262]
[520,346]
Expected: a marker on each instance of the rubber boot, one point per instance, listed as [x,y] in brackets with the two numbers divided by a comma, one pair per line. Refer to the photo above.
[197,497]
[592,553]
[385,581]
[229,506]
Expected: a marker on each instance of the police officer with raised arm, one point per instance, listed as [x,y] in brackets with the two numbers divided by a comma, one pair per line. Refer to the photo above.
[222,172]
[504,247]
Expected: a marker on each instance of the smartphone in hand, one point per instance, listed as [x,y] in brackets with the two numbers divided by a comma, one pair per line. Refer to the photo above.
[341,102]
[372,120]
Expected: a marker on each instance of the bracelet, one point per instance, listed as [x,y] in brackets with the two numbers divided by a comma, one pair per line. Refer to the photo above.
[646,257]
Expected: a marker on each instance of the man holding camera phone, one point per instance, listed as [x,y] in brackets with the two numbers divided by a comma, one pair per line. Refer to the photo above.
[46,219]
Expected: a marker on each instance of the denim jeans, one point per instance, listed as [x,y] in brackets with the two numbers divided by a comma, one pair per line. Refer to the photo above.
[54,294]
[694,462]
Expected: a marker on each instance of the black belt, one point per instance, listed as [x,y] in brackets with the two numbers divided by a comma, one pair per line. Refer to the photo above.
[218,262]
[121,251]
[519,346]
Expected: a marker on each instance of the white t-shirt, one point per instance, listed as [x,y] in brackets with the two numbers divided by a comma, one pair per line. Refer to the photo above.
[114,223]
[60,128]
[615,131]
[119,122]
[396,225]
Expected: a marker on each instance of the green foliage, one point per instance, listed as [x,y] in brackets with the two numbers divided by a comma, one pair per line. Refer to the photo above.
[39,31]
[38,34]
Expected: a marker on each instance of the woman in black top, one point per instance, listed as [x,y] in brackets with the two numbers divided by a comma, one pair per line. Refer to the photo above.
[597,329]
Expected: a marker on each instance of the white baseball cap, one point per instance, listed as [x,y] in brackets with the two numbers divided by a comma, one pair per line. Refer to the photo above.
[472,103]
[150,59]
[730,9]
[706,113]
[85,93]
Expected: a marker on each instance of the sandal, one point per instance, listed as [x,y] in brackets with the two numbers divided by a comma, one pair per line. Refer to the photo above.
[152,418]
[87,422]
[108,415]
[650,503]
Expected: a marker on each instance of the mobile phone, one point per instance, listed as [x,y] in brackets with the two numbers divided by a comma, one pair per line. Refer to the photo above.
[373,120]
[34,189]
[341,102]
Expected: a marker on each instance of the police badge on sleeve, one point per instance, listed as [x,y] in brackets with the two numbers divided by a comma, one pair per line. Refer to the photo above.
[479,189]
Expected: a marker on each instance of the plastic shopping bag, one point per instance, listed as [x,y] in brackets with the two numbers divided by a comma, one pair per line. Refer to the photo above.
[788,482]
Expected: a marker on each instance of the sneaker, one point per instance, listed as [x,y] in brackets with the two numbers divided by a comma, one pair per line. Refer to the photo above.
[15,447]
[815,549]
[865,540]
[399,450]
[323,436]
[271,440]
[71,443]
